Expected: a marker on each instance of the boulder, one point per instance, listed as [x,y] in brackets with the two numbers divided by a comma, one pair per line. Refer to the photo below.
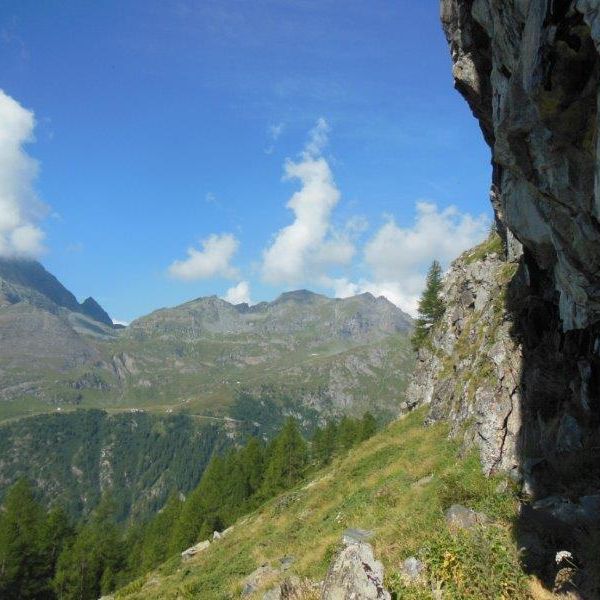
[412,569]
[291,588]
[424,481]
[355,575]
[191,552]
[286,562]
[258,579]
[567,511]
[354,536]
[460,517]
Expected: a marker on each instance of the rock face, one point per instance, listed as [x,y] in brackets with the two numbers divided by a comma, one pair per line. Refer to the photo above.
[530,72]
[197,549]
[469,373]
[515,363]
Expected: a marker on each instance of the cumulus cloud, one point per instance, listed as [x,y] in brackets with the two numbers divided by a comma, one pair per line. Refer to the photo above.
[213,260]
[404,294]
[20,208]
[238,293]
[303,250]
[443,234]
[397,257]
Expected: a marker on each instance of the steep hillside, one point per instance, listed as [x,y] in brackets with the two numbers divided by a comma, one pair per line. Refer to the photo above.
[136,458]
[398,486]
[44,334]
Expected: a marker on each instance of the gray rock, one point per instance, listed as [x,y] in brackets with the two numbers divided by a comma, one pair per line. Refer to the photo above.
[191,552]
[573,513]
[424,481]
[460,517]
[273,594]
[355,536]
[291,588]
[286,562]
[355,575]
[258,579]
[412,569]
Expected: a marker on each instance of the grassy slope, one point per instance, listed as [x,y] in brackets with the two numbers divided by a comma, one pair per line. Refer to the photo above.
[374,487]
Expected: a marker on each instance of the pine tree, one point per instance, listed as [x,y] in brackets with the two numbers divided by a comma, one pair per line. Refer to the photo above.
[150,545]
[202,511]
[89,566]
[23,568]
[431,306]
[348,433]
[288,458]
[252,460]
[368,426]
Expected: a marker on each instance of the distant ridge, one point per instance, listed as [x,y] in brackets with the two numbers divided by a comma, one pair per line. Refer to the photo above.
[30,274]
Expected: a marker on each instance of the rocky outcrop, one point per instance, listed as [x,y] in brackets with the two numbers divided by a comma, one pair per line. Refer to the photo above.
[355,574]
[194,550]
[469,370]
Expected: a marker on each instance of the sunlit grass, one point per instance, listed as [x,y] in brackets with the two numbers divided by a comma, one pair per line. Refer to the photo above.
[377,486]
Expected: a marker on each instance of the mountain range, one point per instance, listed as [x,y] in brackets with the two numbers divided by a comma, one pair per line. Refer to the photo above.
[303,351]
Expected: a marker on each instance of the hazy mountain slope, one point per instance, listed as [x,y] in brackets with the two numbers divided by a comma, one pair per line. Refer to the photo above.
[137,458]
[328,354]
[324,355]
[44,334]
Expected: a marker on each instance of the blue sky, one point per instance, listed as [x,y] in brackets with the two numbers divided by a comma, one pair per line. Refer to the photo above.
[171,137]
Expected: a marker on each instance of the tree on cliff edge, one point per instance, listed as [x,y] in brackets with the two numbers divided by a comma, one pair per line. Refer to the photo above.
[431,306]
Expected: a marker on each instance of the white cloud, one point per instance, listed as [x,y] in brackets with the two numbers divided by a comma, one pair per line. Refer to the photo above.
[303,250]
[238,293]
[397,258]
[20,208]
[213,260]
[438,234]
[317,139]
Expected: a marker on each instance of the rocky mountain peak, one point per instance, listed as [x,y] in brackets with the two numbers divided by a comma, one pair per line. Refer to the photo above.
[92,309]
[27,280]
